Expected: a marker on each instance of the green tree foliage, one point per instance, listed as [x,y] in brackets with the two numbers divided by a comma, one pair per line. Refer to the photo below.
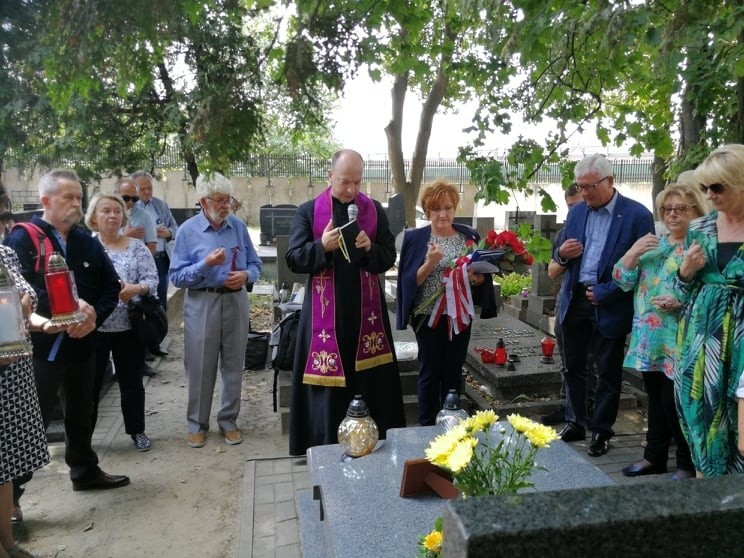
[115,82]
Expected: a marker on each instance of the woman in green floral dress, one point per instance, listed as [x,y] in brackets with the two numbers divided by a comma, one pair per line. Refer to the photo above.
[711,332]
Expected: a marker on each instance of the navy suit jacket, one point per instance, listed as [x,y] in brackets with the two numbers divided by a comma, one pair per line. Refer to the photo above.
[614,308]
[412,255]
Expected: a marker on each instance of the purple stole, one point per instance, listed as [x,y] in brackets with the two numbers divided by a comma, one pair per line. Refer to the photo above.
[324,366]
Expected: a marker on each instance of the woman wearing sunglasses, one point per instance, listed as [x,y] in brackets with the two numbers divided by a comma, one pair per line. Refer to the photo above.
[646,269]
[711,332]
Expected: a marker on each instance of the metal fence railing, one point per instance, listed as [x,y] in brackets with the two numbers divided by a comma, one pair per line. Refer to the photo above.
[306,169]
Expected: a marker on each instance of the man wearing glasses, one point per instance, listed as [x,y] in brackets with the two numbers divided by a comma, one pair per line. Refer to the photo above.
[139,223]
[594,313]
[213,258]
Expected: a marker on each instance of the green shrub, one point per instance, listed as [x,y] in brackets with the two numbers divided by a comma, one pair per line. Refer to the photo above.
[513,283]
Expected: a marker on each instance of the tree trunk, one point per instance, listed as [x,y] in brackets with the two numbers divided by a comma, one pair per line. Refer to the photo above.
[658,168]
[418,162]
[393,132]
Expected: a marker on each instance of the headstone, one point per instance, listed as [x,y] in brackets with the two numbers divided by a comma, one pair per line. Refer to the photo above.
[396,213]
[283,273]
[653,520]
[515,218]
[542,285]
[482,224]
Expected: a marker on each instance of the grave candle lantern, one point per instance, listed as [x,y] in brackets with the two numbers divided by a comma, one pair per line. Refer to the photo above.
[358,433]
[62,293]
[13,341]
[547,346]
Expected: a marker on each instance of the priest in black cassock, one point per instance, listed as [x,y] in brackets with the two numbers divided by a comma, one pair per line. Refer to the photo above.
[344,342]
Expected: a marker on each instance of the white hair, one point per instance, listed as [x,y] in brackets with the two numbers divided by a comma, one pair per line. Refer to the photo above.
[593,163]
[211,184]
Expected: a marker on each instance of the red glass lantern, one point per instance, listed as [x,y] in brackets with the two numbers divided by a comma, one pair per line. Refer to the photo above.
[500,356]
[62,293]
[547,346]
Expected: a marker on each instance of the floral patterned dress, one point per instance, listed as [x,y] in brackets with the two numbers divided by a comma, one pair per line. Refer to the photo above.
[653,341]
[711,354]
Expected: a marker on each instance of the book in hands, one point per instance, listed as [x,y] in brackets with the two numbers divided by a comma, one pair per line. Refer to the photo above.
[347,242]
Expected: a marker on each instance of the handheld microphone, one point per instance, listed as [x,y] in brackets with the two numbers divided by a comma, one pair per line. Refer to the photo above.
[353,211]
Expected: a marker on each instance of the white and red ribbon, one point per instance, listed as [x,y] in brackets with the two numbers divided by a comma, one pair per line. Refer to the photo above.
[457,300]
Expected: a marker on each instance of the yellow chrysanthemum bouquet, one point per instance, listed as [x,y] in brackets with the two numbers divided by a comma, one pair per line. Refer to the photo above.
[481,465]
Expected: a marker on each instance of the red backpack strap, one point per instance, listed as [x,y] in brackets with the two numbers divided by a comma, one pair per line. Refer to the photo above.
[41,242]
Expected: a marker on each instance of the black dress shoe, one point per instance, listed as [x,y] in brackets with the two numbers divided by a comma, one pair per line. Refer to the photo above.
[102,481]
[572,433]
[157,351]
[149,371]
[149,357]
[644,467]
[599,446]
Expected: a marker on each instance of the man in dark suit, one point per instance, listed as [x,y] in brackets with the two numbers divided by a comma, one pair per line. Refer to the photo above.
[594,313]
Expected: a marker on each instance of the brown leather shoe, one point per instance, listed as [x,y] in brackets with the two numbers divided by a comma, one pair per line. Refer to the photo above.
[196,439]
[232,437]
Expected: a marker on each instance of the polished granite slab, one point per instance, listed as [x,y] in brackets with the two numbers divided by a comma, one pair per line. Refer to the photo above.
[363,514]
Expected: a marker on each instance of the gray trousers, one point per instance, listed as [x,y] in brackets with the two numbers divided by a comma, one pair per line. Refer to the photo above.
[215,334]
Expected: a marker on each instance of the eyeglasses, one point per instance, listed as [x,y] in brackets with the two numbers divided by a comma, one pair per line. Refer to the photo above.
[678,209]
[127,198]
[220,201]
[591,187]
[717,188]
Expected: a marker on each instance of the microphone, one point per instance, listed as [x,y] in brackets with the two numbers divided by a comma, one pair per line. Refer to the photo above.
[353,211]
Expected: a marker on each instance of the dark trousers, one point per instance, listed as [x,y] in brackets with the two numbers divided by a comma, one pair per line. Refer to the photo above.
[580,334]
[129,358]
[663,423]
[73,383]
[440,367]
[162,263]
[591,369]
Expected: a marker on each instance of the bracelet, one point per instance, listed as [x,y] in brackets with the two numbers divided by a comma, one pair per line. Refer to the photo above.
[41,329]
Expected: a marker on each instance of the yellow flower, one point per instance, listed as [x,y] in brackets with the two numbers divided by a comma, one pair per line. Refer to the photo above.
[461,455]
[540,436]
[520,423]
[440,448]
[482,420]
[433,541]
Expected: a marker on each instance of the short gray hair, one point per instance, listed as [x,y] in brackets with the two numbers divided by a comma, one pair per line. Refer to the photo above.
[211,184]
[593,163]
[48,183]
[140,173]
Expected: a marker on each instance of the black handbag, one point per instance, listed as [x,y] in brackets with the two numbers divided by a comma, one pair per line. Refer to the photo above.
[149,320]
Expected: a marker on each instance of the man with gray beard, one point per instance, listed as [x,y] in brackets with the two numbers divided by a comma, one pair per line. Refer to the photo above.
[64,356]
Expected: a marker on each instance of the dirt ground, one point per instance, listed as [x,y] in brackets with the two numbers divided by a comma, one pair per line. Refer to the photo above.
[182,502]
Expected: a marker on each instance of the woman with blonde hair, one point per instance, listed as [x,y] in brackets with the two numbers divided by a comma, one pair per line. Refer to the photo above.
[711,332]
[647,268]
[106,215]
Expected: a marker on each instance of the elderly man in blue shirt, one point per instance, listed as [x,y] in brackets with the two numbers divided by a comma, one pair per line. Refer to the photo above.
[213,258]
[593,311]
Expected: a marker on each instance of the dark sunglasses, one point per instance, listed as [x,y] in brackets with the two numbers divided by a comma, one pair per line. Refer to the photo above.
[715,188]
[127,198]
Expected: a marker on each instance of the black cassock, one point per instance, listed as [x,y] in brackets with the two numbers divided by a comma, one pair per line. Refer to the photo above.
[316,411]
